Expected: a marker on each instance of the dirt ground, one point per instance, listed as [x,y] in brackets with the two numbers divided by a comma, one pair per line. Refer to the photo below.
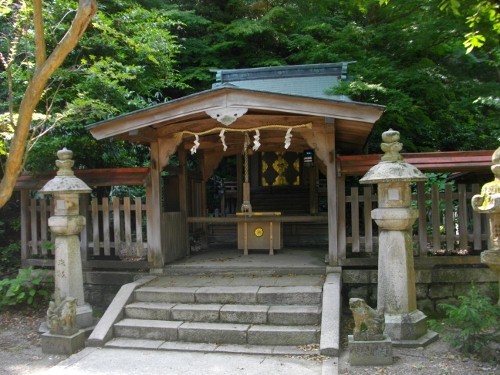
[21,354]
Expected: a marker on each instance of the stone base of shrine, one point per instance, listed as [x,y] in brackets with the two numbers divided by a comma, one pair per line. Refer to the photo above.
[84,318]
[61,344]
[409,330]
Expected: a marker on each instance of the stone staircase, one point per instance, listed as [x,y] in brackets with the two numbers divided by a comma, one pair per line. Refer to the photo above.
[221,318]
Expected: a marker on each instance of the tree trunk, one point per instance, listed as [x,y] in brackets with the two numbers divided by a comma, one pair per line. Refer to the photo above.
[17,151]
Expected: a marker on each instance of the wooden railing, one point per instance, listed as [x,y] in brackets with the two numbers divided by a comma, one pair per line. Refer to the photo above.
[114,235]
[447,225]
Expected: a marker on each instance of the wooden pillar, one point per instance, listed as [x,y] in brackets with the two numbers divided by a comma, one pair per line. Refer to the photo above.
[322,139]
[239,181]
[183,192]
[156,258]
[342,235]
[331,182]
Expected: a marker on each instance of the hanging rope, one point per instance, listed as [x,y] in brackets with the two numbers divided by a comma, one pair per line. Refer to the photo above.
[288,135]
[245,154]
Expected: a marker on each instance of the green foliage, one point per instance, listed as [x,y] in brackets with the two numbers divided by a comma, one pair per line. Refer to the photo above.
[10,257]
[472,324]
[30,287]
[409,57]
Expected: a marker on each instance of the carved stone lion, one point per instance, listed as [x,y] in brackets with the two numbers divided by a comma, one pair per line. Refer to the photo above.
[61,316]
[369,324]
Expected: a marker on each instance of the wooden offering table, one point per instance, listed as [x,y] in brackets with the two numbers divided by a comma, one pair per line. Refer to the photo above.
[258,230]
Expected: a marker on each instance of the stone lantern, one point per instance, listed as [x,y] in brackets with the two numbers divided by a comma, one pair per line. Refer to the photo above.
[396,293]
[66,225]
[488,202]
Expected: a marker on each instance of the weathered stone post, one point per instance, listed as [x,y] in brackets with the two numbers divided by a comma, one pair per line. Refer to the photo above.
[488,202]
[396,294]
[68,311]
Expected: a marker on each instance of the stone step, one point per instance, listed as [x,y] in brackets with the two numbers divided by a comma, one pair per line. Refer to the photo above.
[130,343]
[220,333]
[273,295]
[228,313]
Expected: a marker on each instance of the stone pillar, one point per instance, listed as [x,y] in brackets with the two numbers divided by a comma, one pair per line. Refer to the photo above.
[66,224]
[488,202]
[396,294]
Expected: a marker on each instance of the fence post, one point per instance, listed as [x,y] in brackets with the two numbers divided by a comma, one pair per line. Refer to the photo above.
[25,225]
[84,234]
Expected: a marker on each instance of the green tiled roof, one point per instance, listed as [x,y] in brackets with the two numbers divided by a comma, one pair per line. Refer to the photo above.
[301,80]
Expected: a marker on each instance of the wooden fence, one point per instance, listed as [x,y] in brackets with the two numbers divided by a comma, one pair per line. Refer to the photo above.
[114,235]
[447,223]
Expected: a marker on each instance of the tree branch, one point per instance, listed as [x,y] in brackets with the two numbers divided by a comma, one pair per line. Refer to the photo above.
[17,153]
[40,48]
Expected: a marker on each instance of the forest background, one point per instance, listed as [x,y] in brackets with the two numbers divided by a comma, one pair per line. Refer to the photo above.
[407,55]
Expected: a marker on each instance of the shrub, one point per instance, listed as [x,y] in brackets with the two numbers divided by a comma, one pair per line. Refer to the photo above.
[471,325]
[30,287]
[10,257]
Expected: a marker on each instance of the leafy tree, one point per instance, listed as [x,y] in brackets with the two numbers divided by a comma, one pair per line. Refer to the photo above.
[124,62]
[409,56]
[40,72]
[482,17]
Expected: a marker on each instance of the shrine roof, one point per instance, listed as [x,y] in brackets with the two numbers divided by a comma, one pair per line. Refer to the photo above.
[313,80]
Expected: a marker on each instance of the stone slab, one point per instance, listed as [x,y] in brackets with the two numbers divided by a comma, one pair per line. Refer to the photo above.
[128,343]
[370,353]
[227,294]
[214,332]
[294,315]
[147,329]
[60,344]
[169,294]
[149,310]
[330,319]
[289,295]
[254,314]
[424,340]
[188,346]
[282,335]
[196,312]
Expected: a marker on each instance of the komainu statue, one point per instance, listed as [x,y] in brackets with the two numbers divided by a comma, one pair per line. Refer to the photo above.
[61,316]
[369,324]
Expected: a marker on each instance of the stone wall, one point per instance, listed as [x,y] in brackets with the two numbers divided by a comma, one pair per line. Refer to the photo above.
[101,287]
[440,284]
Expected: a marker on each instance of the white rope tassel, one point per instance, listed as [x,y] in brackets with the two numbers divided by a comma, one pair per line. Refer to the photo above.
[196,144]
[223,139]
[256,139]
[288,138]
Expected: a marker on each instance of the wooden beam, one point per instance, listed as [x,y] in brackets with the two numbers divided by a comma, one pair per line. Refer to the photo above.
[247,121]
[92,177]
[167,147]
[209,163]
[450,161]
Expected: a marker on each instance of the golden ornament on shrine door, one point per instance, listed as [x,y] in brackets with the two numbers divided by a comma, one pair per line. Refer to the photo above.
[258,232]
